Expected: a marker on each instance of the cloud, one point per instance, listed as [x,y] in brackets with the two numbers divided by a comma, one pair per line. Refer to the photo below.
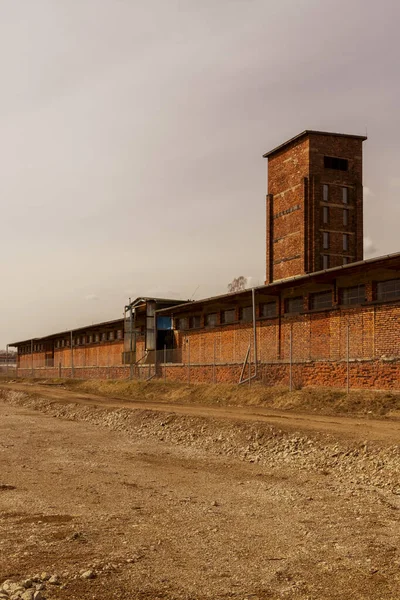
[367,192]
[394,182]
[370,248]
[91,297]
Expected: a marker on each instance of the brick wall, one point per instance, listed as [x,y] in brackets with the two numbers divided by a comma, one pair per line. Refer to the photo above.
[295,206]
[350,149]
[285,211]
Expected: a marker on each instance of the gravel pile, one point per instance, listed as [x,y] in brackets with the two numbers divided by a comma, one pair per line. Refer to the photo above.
[28,589]
[34,588]
[360,463]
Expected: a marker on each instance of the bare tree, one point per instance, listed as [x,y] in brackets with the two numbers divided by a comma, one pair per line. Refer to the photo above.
[237,284]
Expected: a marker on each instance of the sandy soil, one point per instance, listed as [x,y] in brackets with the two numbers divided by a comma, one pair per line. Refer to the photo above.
[192,502]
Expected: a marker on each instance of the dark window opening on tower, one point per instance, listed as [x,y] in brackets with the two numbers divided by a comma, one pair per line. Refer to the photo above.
[339,164]
[325,261]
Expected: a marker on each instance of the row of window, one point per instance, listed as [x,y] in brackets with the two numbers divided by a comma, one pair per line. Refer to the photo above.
[326,216]
[93,338]
[326,261]
[266,310]
[325,193]
[80,340]
[385,290]
[326,240]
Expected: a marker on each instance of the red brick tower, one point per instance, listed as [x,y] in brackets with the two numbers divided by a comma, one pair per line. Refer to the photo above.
[314,204]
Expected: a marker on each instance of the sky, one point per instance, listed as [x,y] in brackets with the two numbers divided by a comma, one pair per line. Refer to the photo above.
[132,135]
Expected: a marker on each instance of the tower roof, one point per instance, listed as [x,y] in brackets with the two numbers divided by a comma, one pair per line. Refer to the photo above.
[312,132]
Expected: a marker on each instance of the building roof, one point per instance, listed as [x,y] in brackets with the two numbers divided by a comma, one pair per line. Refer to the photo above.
[138,301]
[69,331]
[391,261]
[313,132]
[143,299]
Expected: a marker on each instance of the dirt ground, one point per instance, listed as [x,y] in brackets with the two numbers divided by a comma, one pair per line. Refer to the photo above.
[175,500]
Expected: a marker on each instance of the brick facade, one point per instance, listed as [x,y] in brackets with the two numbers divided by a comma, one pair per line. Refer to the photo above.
[298,214]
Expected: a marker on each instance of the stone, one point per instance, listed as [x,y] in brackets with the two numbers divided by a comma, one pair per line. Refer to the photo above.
[27,583]
[88,574]
[28,595]
[54,580]
[38,596]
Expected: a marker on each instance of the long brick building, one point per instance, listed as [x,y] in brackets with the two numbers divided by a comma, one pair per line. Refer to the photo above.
[325,316]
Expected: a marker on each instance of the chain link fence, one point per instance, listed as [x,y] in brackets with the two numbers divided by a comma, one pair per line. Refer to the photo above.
[300,355]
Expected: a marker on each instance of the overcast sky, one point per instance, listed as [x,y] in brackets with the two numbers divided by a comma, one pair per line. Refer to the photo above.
[132,135]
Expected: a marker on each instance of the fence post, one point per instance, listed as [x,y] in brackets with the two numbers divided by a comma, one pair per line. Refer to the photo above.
[253,298]
[188,341]
[72,357]
[165,363]
[291,359]
[214,361]
[250,363]
[32,358]
[348,357]
[7,360]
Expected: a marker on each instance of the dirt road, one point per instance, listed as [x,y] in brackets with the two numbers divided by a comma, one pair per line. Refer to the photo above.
[185,502]
[381,430]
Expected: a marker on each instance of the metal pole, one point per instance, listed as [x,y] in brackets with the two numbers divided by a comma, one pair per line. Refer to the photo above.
[214,361]
[348,357]
[155,341]
[7,360]
[130,341]
[253,298]
[188,339]
[165,363]
[32,356]
[72,357]
[250,363]
[291,359]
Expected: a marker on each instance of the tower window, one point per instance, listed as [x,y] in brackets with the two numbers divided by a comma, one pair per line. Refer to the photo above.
[325,240]
[345,217]
[345,195]
[345,260]
[325,261]
[345,241]
[339,164]
[325,192]
[325,214]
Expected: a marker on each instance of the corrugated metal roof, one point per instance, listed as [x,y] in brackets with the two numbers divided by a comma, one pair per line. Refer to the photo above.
[83,328]
[283,283]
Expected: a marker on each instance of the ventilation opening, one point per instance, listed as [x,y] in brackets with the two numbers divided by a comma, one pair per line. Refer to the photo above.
[339,164]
